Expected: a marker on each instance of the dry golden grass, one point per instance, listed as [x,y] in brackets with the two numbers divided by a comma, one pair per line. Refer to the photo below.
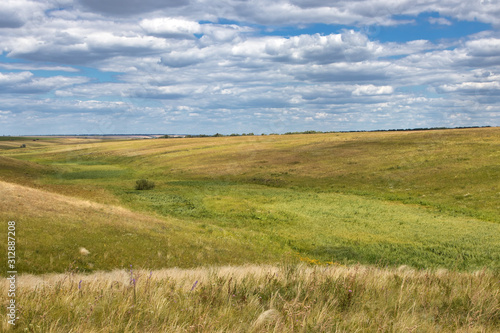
[254,298]
[22,202]
[184,278]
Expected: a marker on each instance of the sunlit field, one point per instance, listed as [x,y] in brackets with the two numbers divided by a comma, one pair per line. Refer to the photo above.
[390,231]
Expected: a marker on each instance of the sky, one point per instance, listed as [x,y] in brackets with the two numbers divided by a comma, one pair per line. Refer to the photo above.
[236,66]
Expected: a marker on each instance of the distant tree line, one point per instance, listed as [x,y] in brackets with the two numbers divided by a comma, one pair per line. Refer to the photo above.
[320,132]
[205,135]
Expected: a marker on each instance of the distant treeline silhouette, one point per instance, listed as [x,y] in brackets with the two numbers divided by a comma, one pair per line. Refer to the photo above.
[321,132]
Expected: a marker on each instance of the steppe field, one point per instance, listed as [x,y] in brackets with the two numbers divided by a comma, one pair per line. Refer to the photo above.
[330,232]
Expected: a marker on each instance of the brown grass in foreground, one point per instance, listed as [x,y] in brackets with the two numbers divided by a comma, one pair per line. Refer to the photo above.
[289,298]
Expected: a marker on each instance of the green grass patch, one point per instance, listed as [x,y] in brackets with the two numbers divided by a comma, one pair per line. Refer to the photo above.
[91,174]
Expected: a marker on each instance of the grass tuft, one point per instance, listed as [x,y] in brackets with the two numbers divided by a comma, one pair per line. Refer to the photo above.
[144,184]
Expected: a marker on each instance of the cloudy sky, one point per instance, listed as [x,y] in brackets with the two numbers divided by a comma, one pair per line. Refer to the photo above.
[234,66]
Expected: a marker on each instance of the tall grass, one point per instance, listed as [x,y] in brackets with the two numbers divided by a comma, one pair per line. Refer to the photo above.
[288,298]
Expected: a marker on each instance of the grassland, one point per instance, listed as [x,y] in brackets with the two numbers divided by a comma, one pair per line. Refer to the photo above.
[429,200]
[288,298]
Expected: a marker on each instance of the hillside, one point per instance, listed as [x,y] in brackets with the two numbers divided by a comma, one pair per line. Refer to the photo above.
[392,232]
[426,199]
[51,229]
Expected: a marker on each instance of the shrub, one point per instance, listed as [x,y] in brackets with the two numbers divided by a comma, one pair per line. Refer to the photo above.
[144,184]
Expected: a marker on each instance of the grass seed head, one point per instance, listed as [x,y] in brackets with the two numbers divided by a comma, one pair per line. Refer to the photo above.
[266,317]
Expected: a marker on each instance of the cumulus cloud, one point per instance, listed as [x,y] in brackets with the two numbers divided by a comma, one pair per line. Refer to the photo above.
[130,7]
[345,72]
[484,47]
[171,27]
[79,42]
[29,67]
[15,13]
[233,64]
[472,87]
[10,19]
[25,82]
[439,21]
[362,12]
[309,49]
[370,89]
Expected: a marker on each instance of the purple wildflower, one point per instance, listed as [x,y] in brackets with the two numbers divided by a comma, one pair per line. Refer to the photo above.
[194,285]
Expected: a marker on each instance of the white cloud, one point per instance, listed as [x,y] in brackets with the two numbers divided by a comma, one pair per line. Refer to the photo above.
[484,47]
[79,41]
[439,21]
[370,89]
[171,27]
[222,33]
[36,67]
[321,115]
[130,7]
[283,12]
[173,62]
[15,13]
[26,82]
[361,12]
[14,78]
[347,46]
[472,87]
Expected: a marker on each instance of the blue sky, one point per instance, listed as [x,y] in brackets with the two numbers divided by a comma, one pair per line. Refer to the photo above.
[193,66]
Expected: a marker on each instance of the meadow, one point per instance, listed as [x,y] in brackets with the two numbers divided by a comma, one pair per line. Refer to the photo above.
[325,204]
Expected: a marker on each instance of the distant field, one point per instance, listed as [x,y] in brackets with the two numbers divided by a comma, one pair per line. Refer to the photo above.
[408,222]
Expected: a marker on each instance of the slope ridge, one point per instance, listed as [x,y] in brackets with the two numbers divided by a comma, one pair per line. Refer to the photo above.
[51,228]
